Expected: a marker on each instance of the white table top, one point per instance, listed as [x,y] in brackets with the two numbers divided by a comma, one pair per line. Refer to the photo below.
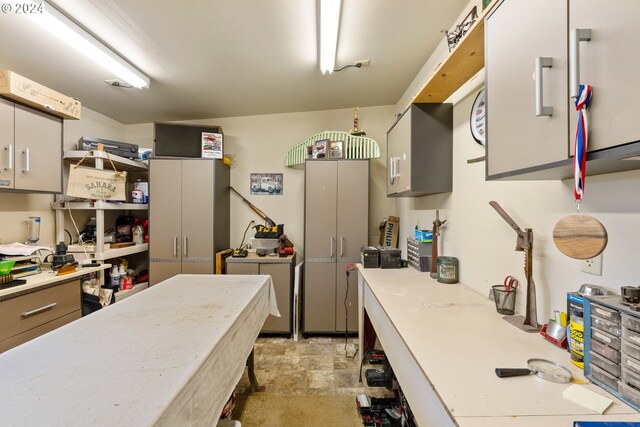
[458,339]
[45,278]
[168,356]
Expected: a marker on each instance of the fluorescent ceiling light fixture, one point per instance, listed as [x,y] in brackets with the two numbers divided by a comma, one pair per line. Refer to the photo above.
[329,25]
[75,36]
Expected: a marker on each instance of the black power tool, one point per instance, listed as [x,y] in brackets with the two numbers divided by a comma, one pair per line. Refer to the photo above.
[60,258]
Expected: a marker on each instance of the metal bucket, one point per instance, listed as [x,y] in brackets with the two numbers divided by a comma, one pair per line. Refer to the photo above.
[447,269]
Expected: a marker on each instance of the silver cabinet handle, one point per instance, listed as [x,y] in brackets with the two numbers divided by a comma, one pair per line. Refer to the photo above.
[185,249]
[27,160]
[38,310]
[175,247]
[540,63]
[576,36]
[341,246]
[394,163]
[331,248]
[9,148]
[391,175]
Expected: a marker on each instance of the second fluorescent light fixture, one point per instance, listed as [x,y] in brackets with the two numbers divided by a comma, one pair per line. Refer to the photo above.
[71,33]
[329,25]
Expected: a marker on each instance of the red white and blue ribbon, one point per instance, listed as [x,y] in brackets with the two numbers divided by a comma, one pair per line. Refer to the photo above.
[580,149]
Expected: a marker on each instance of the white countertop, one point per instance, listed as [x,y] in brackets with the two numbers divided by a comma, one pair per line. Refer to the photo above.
[458,339]
[170,355]
[47,277]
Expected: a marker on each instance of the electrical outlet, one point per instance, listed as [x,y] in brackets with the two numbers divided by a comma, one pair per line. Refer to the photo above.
[592,265]
[362,62]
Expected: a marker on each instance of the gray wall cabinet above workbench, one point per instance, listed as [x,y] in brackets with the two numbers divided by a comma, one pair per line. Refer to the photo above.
[30,149]
[532,60]
[420,151]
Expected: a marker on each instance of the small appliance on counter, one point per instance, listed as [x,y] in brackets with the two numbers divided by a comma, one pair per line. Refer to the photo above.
[390,257]
[61,258]
[370,257]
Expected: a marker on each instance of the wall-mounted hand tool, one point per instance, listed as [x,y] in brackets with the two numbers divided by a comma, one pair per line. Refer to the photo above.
[524,243]
[437,225]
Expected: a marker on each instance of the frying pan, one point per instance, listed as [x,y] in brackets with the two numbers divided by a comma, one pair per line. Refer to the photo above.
[545,369]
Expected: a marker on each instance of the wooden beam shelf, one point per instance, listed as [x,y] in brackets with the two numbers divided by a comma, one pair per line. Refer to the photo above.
[463,62]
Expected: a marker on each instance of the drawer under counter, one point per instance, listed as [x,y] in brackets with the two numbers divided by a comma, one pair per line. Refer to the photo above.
[34,309]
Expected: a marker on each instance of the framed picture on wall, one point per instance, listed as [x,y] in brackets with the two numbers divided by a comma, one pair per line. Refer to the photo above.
[320,149]
[335,149]
[268,184]
[211,145]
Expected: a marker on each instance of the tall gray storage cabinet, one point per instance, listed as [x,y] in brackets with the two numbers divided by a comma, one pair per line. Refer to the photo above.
[188,216]
[336,228]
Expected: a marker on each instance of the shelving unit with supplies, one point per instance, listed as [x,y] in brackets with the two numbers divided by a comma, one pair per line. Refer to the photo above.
[97,251]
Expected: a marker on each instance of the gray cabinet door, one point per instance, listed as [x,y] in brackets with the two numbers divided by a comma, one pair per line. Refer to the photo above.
[7,144]
[320,297]
[320,210]
[399,155]
[610,64]
[346,295]
[352,209]
[163,270]
[244,268]
[197,217]
[165,218]
[281,276]
[516,33]
[38,151]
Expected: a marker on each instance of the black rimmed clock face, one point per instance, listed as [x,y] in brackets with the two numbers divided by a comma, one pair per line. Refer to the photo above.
[477,119]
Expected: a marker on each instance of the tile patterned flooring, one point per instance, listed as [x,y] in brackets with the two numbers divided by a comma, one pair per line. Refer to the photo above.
[316,365]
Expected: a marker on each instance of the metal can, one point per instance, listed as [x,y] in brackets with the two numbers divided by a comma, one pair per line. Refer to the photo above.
[137,196]
[447,269]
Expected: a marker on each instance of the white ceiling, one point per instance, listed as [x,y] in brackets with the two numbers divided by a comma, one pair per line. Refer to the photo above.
[223,58]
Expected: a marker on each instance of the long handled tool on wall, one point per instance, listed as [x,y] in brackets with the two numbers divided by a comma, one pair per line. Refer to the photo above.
[285,242]
[524,243]
[437,224]
[268,221]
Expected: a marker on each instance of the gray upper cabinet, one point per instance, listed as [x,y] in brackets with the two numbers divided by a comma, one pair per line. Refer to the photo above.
[420,151]
[514,37]
[531,66]
[30,149]
[609,62]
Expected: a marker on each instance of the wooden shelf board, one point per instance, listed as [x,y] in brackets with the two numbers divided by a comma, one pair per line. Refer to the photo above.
[100,205]
[121,163]
[138,287]
[119,252]
[464,61]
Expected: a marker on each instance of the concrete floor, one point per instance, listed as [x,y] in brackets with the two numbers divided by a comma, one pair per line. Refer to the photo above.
[312,367]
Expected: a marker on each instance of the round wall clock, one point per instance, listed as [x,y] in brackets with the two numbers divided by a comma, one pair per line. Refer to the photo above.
[477,118]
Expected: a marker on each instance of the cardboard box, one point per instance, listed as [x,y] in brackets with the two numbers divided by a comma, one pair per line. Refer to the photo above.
[21,89]
[390,232]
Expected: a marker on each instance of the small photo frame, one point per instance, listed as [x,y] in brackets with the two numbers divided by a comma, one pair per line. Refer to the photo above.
[320,149]
[211,145]
[335,149]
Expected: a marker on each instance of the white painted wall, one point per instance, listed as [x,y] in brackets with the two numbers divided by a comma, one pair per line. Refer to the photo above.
[259,144]
[15,208]
[485,244]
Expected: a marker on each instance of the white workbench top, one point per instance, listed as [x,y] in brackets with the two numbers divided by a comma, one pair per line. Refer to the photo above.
[458,339]
[47,278]
[169,356]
